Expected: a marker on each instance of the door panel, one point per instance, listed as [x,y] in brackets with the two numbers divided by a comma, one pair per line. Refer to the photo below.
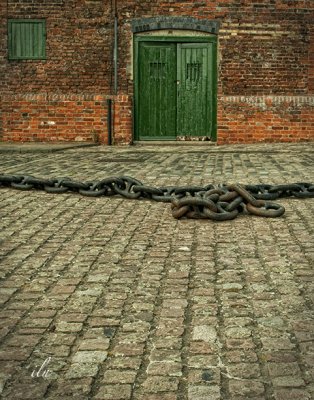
[157,99]
[193,107]
[174,92]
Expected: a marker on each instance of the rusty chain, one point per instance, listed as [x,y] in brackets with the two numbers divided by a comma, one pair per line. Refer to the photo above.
[219,203]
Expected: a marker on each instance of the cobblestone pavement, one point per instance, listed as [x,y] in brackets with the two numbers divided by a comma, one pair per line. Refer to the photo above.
[110,298]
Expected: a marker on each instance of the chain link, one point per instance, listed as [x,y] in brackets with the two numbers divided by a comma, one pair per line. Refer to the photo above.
[220,203]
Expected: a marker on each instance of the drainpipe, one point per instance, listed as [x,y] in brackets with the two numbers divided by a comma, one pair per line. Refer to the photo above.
[115,48]
[110,102]
[109,121]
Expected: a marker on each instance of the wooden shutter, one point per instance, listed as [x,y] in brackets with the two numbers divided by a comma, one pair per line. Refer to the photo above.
[27,39]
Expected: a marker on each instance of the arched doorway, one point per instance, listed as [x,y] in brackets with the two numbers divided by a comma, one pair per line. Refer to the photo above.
[175,83]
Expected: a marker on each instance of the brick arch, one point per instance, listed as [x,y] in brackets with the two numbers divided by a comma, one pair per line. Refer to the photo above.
[182,23]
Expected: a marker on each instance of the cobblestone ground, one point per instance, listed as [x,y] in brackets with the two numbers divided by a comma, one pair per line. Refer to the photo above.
[114,299]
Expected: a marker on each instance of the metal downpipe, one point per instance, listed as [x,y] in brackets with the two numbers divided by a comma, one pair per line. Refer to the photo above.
[115,49]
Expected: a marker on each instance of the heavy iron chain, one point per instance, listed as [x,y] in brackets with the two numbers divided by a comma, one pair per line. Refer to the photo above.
[219,203]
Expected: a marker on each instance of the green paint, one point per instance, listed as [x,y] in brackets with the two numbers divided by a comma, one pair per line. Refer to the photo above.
[27,39]
[175,87]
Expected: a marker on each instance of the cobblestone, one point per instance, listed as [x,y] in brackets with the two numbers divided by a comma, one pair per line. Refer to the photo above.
[124,302]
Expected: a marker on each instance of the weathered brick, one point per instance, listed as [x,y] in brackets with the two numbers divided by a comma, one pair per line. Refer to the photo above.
[265,78]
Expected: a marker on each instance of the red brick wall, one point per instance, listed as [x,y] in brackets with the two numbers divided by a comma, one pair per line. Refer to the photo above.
[123,120]
[265,77]
[60,117]
[249,119]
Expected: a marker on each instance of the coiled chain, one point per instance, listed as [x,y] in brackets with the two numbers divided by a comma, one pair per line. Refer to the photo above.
[219,203]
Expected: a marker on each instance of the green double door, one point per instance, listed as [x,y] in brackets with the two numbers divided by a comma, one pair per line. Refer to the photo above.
[175,90]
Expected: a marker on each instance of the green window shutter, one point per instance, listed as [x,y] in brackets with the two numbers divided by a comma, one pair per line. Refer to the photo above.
[27,39]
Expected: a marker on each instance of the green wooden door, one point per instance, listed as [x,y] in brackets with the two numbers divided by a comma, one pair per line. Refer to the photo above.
[174,91]
[193,104]
[157,88]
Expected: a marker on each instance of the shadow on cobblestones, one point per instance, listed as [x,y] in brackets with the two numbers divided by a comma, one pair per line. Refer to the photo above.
[109,298]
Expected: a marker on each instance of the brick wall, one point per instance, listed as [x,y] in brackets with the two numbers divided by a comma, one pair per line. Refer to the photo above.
[264,58]
[311,59]
[265,77]
[249,119]
[264,46]
[79,47]
[123,120]
[60,117]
